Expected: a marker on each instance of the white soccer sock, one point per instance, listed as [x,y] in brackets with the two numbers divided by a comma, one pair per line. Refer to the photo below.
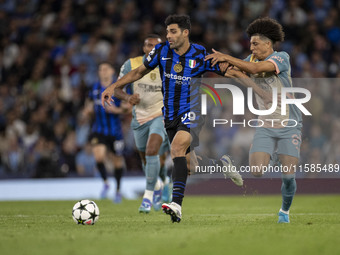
[159,184]
[148,194]
[286,212]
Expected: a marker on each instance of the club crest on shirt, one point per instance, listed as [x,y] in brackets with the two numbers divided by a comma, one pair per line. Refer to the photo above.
[152,76]
[178,68]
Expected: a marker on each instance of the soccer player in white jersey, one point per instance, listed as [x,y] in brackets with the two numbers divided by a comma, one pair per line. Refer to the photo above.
[270,69]
[148,128]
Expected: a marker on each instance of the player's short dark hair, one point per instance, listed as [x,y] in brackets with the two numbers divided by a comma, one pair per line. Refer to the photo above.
[267,27]
[152,36]
[183,21]
[106,63]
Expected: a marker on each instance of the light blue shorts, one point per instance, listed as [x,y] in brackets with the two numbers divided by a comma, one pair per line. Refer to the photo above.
[142,133]
[287,141]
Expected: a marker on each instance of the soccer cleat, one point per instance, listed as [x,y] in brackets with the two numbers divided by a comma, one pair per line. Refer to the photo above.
[105,190]
[174,210]
[283,217]
[166,195]
[118,198]
[230,171]
[157,198]
[145,206]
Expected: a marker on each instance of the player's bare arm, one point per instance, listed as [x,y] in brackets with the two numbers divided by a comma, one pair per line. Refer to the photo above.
[130,77]
[88,108]
[124,108]
[131,99]
[243,79]
[249,67]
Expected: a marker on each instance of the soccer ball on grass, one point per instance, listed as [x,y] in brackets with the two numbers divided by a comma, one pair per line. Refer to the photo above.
[85,212]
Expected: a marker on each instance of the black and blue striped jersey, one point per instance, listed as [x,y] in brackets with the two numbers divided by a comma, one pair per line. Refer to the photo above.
[176,72]
[105,123]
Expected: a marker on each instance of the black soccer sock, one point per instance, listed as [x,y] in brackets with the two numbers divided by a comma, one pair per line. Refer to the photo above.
[102,170]
[179,176]
[118,176]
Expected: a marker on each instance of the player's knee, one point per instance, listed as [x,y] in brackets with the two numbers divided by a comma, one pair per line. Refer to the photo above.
[99,159]
[256,170]
[177,150]
[99,156]
[152,151]
[257,174]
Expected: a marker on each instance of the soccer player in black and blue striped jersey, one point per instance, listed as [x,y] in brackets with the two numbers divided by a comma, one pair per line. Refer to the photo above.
[106,133]
[179,61]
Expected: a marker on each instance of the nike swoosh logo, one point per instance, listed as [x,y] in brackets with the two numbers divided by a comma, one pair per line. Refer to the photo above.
[163,58]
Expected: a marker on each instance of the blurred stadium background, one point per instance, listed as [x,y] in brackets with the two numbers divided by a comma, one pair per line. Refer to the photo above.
[49,54]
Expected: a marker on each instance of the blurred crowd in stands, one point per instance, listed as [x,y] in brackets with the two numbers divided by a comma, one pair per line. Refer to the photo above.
[50,50]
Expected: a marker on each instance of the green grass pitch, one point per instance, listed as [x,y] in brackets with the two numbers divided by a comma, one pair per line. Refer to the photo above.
[210,225]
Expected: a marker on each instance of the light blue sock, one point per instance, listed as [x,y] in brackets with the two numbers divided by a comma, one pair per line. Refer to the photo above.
[288,190]
[152,169]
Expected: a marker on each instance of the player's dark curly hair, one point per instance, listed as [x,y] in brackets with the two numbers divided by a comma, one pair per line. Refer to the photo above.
[183,21]
[267,27]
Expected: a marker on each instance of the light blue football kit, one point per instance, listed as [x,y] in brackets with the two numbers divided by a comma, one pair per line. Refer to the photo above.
[147,119]
[281,137]
[273,135]
[147,115]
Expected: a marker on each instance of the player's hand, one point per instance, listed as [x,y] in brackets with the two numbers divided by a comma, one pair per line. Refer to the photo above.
[107,96]
[224,66]
[216,57]
[134,99]
[234,73]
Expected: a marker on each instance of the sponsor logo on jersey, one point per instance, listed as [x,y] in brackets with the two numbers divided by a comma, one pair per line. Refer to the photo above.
[176,77]
[150,88]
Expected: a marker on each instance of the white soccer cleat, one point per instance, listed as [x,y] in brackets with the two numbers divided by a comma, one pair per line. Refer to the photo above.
[174,210]
[230,170]
[145,206]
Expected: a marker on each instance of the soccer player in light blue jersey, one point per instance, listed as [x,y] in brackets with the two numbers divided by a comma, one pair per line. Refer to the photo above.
[270,69]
